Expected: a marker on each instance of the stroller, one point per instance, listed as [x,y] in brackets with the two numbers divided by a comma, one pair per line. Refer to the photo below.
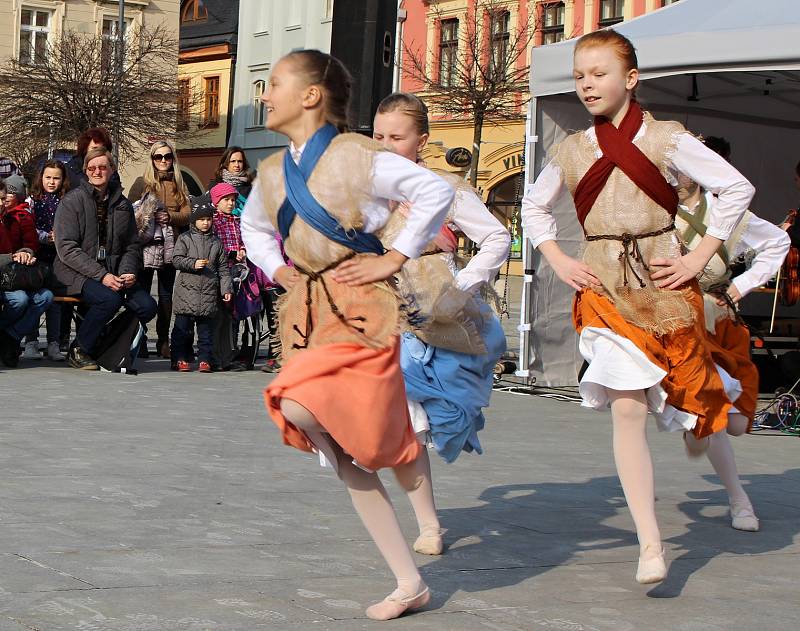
[248,312]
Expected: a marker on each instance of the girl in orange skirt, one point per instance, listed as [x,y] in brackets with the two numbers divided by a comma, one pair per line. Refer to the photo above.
[765,246]
[638,310]
[340,391]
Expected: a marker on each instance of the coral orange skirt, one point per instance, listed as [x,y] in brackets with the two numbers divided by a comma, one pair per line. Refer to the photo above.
[357,394]
[730,348]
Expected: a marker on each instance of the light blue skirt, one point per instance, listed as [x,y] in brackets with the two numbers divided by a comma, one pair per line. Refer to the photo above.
[453,388]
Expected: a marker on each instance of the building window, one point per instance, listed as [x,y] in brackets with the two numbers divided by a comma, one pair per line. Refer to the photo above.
[611,12]
[211,110]
[448,52]
[665,3]
[33,33]
[328,9]
[184,103]
[500,37]
[552,23]
[258,107]
[194,11]
[110,34]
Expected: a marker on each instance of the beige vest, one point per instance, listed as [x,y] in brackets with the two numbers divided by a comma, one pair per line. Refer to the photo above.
[622,207]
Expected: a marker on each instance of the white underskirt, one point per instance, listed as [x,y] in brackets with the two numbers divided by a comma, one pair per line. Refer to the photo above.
[616,363]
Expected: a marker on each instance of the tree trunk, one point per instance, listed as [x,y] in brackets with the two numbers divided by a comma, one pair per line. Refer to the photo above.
[477,132]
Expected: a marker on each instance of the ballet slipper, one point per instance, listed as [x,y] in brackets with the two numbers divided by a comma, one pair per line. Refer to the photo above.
[429,541]
[397,603]
[743,517]
[695,447]
[652,569]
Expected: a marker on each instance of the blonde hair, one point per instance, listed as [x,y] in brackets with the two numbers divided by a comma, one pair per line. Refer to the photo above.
[151,181]
[410,105]
[609,38]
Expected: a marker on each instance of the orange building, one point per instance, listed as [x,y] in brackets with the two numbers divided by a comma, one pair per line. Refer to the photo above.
[436,30]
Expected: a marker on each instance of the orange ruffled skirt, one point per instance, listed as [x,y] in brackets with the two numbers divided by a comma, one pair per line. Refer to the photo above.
[730,348]
[692,383]
[357,394]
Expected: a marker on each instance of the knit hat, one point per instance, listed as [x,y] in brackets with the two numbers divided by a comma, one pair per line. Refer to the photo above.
[201,210]
[16,185]
[223,189]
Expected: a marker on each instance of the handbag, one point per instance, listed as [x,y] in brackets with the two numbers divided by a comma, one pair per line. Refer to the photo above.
[18,277]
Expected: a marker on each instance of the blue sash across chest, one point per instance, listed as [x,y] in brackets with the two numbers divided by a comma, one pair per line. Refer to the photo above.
[300,201]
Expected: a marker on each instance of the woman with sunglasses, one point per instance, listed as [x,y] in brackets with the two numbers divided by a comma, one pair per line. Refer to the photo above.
[161,202]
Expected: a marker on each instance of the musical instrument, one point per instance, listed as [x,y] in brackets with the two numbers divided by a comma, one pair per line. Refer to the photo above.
[787,281]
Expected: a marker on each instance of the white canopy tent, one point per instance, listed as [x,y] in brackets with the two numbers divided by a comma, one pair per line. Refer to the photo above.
[722,68]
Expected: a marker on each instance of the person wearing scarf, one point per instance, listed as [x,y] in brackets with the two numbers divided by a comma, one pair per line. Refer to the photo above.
[638,307]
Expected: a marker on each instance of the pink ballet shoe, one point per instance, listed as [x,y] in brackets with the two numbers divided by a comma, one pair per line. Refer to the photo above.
[743,517]
[695,448]
[652,569]
[397,603]
[429,541]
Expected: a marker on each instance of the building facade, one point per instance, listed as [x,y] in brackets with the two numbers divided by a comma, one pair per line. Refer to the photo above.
[436,31]
[269,30]
[27,26]
[206,75]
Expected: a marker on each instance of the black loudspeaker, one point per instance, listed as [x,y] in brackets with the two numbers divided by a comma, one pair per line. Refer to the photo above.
[363,39]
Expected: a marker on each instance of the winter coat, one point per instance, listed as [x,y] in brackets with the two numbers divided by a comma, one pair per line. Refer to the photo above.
[197,291]
[77,241]
[19,230]
[167,193]
[158,242]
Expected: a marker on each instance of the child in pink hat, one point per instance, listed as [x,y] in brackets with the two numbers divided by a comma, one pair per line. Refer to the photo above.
[226,224]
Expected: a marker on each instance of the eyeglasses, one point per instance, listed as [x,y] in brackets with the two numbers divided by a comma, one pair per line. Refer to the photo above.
[163,157]
[102,169]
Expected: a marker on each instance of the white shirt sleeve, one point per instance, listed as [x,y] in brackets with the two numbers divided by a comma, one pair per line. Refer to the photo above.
[258,235]
[770,244]
[714,174]
[537,205]
[399,179]
[472,217]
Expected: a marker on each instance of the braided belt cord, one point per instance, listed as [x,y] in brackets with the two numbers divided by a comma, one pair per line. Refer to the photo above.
[631,253]
[317,277]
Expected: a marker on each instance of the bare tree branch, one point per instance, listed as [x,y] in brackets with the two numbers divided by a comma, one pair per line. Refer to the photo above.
[77,86]
[489,78]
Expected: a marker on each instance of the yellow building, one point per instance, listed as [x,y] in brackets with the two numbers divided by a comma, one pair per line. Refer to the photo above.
[26,26]
[205,71]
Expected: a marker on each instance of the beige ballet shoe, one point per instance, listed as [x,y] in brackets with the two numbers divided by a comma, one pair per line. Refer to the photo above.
[743,517]
[653,569]
[397,603]
[429,542]
[695,448]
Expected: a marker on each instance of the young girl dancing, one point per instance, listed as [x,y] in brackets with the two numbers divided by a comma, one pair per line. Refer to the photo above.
[448,360]
[340,390]
[638,310]
[766,246]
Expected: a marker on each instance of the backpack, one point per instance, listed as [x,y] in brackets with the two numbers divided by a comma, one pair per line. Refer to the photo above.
[118,346]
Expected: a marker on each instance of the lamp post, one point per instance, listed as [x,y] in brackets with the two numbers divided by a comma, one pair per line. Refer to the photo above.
[120,68]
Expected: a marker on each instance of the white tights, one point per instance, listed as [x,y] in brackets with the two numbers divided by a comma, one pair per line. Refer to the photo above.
[720,453]
[370,499]
[634,466]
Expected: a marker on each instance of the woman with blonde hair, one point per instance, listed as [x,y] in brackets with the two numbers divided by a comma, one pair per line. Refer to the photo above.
[162,209]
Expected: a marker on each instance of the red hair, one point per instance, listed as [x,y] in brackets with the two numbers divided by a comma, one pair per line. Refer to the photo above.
[622,46]
[99,134]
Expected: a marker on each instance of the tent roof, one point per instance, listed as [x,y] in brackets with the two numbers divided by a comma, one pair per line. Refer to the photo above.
[690,36]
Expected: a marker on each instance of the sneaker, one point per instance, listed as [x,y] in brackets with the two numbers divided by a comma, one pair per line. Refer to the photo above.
[204,367]
[54,352]
[31,351]
[80,360]
[271,365]
[183,366]
[9,350]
